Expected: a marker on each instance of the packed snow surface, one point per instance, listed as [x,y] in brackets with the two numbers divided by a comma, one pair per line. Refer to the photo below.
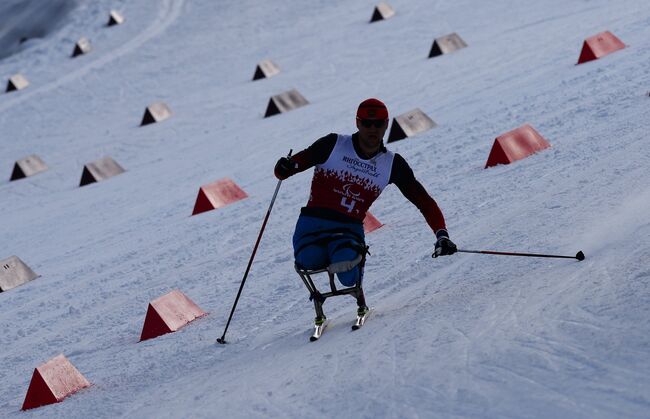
[23,20]
[460,336]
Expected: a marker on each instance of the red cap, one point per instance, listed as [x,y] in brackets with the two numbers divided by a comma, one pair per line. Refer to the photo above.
[372,109]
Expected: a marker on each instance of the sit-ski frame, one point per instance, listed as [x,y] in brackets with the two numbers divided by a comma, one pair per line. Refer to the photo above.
[319,297]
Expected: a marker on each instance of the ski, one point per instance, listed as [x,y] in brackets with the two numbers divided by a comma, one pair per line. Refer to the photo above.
[318,331]
[361,319]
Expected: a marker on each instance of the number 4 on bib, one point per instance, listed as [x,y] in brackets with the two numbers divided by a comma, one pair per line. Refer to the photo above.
[348,203]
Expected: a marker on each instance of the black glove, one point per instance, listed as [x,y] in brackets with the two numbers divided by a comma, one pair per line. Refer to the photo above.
[283,168]
[444,246]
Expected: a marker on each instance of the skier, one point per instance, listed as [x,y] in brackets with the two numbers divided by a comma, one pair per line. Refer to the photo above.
[351,172]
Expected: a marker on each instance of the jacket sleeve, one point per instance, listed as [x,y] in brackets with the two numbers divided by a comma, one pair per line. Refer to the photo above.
[402,176]
[317,153]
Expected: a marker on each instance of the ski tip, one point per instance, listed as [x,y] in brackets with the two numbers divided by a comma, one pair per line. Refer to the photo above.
[580,256]
[313,338]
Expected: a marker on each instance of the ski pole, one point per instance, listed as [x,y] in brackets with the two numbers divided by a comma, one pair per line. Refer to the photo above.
[222,339]
[580,256]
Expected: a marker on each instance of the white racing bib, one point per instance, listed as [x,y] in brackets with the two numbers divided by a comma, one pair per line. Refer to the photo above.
[347,183]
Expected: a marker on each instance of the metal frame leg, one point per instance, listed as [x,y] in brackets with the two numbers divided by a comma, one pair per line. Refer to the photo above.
[319,298]
[314,294]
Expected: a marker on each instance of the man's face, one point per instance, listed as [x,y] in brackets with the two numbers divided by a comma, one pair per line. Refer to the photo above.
[371,132]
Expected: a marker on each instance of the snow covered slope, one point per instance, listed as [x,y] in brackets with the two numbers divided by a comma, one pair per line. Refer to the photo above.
[460,336]
[21,22]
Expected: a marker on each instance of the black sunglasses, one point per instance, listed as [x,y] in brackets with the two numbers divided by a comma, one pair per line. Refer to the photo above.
[377,123]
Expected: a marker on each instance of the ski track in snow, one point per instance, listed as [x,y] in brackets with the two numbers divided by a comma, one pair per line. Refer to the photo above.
[168,12]
[461,336]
